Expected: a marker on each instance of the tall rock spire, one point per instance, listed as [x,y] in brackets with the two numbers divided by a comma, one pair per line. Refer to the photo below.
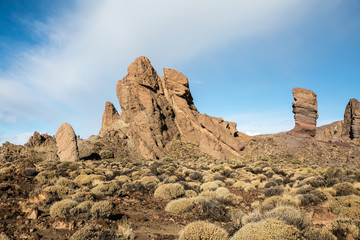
[306,113]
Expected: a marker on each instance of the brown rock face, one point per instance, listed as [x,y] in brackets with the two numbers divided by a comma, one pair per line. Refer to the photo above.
[38,140]
[110,118]
[66,142]
[157,110]
[352,119]
[306,114]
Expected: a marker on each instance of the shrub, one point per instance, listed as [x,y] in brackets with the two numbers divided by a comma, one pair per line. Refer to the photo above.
[190,193]
[201,230]
[101,209]
[209,186]
[277,201]
[248,187]
[105,154]
[344,189]
[46,177]
[313,197]
[274,191]
[211,208]
[289,215]
[149,181]
[180,206]
[65,183]
[82,209]
[82,180]
[60,191]
[269,229]
[97,233]
[221,192]
[169,191]
[343,228]
[314,233]
[315,182]
[68,166]
[239,184]
[195,175]
[62,208]
[232,199]
[346,206]
[106,188]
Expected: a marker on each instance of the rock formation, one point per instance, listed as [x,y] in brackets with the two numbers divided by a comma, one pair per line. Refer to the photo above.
[156,111]
[351,127]
[66,142]
[38,140]
[305,110]
[110,118]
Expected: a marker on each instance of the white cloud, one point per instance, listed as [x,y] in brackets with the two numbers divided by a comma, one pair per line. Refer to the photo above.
[71,76]
[17,139]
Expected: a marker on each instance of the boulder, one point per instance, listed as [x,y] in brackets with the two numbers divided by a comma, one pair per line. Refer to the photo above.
[351,128]
[306,113]
[155,111]
[66,142]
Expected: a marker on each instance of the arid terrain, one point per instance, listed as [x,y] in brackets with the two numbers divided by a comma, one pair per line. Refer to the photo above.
[162,170]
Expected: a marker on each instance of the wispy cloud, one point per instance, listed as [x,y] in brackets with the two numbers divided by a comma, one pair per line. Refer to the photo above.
[72,74]
[18,139]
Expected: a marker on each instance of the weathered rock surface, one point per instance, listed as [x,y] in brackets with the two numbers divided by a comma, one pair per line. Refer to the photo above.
[38,140]
[330,132]
[306,114]
[351,127]
[66,142]
[156,111]
[110,119]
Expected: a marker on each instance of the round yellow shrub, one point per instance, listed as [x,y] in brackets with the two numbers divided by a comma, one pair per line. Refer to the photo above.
[169,191]
[180,206]
[62,208]
[268,229]
[201,230]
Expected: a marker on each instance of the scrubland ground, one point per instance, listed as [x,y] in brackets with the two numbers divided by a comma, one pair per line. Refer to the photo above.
[186,195]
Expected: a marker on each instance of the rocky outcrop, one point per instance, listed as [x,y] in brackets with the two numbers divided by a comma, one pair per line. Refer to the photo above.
[38,140]
[110,119]
[306,114]
[156,111]
[351,127]
[66,142]
[330,132]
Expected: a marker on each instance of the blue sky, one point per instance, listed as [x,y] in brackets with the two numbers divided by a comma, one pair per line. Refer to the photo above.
[60,60]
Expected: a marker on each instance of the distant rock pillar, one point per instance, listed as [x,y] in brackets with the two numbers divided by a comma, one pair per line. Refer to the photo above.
[306,113]
[66,142]
[351,127]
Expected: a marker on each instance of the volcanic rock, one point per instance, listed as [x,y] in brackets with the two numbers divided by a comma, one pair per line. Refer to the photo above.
[156,111]
[351,127]
[306,114]
[111,119]
[66,142]
[38,140]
